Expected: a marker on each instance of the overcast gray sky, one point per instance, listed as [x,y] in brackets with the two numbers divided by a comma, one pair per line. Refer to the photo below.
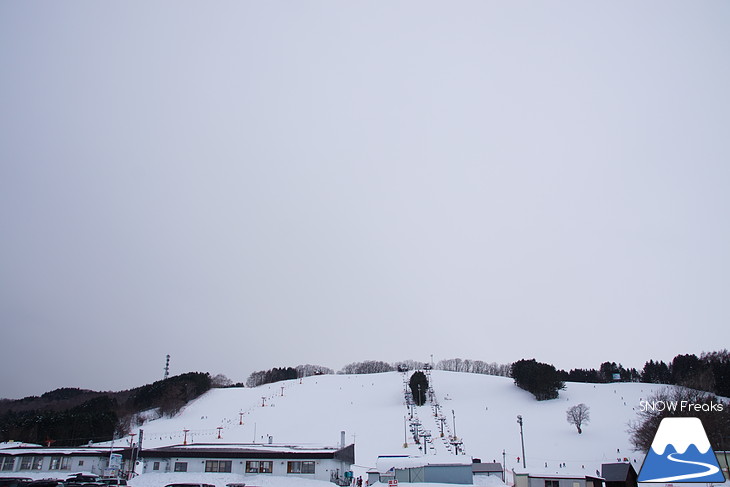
[246,185]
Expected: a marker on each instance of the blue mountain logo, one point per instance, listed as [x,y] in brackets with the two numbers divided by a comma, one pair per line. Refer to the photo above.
[681,453]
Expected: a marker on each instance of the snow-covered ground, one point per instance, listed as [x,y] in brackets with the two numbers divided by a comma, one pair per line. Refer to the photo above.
[371,409]
[220,480]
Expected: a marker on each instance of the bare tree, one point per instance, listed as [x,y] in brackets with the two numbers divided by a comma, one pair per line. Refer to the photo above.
[309,369]
[716,421]
[578,416]
[220,381]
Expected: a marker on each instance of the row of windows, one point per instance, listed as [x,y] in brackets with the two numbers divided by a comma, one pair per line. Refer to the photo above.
[251,466]
[36,463]
[220,466]
[556,483]
[31,463]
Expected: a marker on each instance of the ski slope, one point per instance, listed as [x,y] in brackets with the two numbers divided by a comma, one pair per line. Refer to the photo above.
[371,409]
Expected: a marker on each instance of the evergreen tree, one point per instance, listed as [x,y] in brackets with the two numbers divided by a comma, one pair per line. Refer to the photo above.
[542,380]
[419,387]
[656,373]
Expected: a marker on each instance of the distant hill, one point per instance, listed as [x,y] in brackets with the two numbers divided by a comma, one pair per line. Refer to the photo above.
[68,416]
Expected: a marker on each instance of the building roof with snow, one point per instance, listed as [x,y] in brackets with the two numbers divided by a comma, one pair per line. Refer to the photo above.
[251,450]
[76,451]
[18,444]
[387,462]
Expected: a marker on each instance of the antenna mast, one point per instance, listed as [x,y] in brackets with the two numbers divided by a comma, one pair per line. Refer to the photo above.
[167,367]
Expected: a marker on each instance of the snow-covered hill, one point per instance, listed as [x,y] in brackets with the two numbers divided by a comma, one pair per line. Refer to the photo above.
[371,409]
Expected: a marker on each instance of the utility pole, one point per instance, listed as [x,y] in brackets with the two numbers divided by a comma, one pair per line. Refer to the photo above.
[504,461]
[453,415]
[134,454]
[522,438]
[405,432]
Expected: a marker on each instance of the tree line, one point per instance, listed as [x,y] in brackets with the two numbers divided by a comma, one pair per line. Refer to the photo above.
[709,372]
[72,417]
[276,374]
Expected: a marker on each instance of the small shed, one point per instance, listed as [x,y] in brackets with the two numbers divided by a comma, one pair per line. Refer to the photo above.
[434,469]
[619,475]
[485,469]
[550,480]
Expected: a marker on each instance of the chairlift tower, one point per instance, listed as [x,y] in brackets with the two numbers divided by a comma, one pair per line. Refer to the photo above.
[456,443]
[426,435]
[522,439]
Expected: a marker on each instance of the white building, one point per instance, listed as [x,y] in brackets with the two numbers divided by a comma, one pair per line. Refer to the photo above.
[56,462]
[251,459]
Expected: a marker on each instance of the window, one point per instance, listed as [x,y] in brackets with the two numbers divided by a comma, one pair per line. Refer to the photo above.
[7,464]
[305,467]
[181,466]
[31,463]
[156,466]
[218,466]
[60,463]
[552,483]
[259,467]
[81,463]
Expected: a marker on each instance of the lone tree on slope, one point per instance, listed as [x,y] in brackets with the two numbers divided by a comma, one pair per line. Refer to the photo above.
[578,416]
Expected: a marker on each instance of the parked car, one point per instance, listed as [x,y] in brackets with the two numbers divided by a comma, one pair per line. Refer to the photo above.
[82,478]
[45,483]
[14,481]
[189,485]
[112,481]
